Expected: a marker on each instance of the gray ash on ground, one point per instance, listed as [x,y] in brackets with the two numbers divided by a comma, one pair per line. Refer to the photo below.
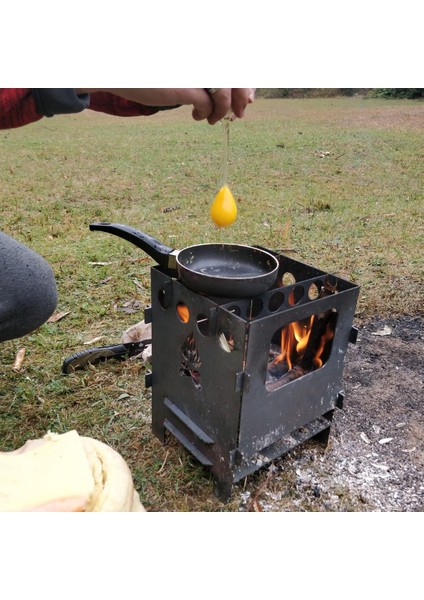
[374,460]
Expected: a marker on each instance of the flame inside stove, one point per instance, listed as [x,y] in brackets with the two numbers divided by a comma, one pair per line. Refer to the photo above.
[326,337]
[294,339]
[304,346]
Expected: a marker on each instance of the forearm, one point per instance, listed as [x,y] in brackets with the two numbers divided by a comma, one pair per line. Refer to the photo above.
[51,102]
[21,106]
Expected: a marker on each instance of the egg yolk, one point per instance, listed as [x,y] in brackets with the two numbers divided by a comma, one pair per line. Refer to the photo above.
[224,208]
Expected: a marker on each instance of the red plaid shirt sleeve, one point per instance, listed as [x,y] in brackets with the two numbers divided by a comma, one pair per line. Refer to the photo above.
[18,108]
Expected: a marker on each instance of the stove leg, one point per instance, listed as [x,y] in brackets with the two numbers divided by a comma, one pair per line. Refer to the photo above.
[223,489]
[159,431]
[323,436]
[223,477]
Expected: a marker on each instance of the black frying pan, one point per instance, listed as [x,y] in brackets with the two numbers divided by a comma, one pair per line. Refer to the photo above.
[225,270]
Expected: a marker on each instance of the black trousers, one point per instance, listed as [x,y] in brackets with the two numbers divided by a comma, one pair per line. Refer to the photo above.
[28,294]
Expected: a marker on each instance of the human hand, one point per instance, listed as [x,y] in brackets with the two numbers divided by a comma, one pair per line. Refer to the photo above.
[212,105]
[229,101]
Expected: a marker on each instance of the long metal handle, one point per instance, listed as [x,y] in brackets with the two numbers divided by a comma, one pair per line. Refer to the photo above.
[82,359]
[163,255]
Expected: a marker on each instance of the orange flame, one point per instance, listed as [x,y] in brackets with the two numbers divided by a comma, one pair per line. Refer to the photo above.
[295,339]
[326,337]
[183,313]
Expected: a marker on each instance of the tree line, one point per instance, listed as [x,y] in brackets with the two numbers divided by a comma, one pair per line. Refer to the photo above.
[408,93]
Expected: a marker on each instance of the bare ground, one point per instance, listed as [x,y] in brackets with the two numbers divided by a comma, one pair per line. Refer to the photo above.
[374,460]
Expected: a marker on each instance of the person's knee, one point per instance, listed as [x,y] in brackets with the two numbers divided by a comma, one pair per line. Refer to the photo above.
[28,296]
[41,299]
[29,308]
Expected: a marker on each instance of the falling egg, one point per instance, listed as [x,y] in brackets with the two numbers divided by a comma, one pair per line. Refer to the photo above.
[224,208]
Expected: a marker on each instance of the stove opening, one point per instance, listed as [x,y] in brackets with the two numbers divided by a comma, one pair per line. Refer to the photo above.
[299,348]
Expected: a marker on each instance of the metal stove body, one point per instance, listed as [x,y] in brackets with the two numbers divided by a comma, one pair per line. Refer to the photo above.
[209,370]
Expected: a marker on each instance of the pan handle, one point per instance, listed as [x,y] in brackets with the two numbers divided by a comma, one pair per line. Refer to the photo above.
[163,255]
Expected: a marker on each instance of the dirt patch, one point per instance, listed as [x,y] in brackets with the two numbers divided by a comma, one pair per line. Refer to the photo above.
[374,460]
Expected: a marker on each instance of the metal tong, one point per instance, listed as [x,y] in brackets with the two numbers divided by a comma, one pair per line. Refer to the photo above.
[82,359]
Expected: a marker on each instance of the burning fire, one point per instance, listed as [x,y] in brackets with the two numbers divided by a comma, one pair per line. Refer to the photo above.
[295,339]
[305,345]
[326,337]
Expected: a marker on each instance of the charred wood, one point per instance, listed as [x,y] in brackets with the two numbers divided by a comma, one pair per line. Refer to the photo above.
[294,373]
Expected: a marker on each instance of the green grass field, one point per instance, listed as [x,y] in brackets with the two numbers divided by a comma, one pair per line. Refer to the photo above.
[336,183]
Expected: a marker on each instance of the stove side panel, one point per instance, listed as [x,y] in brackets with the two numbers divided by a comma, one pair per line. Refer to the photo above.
[204,412]
[268,416]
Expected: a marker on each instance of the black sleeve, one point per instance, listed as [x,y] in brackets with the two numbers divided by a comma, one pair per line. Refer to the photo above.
[59,101]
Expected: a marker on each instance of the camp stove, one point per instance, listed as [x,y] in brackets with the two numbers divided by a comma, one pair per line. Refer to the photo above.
[240,382]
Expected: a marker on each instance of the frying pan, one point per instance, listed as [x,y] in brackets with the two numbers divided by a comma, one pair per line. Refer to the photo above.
[223,270]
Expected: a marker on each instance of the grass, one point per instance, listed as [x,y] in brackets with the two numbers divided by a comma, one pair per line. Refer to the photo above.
[336,182]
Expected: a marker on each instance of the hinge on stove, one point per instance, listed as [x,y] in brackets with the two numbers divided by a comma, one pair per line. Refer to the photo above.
[242,381]
[212,321]
[353,335]
[148,381]
[148,314]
